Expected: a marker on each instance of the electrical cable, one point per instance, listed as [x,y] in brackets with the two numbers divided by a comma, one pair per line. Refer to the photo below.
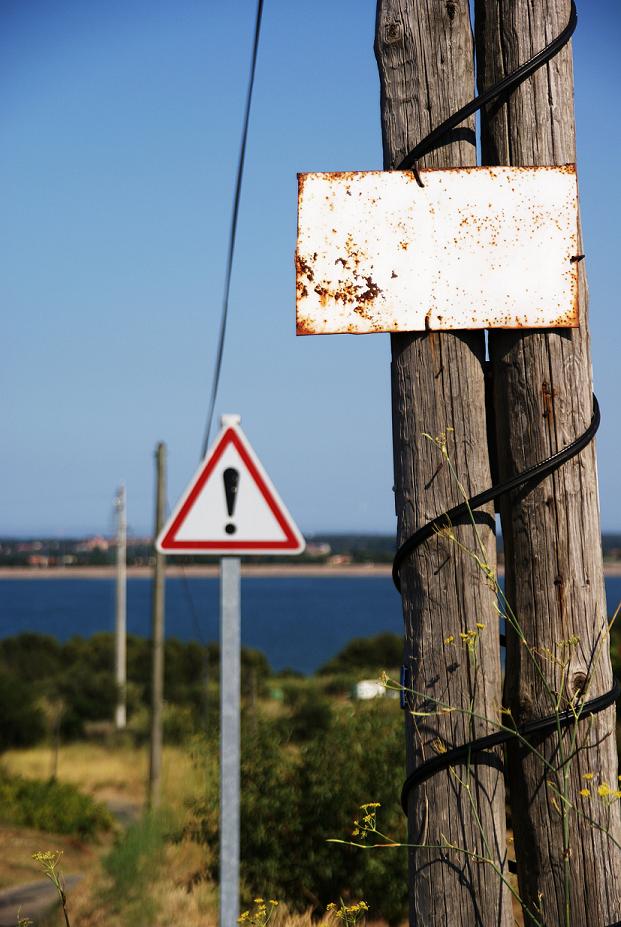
[506,85]
[531,475]
[233,233]
[528,478]
[540,726]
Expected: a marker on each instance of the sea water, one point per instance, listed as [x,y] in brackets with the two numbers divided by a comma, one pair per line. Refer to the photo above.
[298,622]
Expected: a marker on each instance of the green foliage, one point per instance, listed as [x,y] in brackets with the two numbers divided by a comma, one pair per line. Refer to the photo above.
[31,657]
[293,800]
[50,806]
[80,675]
[383,651]
[179,724]
[22,722]
[131,866]
[310,717]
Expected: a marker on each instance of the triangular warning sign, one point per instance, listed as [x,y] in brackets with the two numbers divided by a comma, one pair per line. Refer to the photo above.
[230,507]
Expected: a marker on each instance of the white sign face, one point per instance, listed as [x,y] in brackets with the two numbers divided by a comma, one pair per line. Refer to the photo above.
[230,507]
[492,247]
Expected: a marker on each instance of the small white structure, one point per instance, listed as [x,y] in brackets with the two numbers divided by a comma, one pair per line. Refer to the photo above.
[369,688]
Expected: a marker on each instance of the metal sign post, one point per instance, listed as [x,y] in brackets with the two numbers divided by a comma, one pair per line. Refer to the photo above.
[230,508]
[230,647]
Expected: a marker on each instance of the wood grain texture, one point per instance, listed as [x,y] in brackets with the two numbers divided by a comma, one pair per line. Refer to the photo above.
[542,394]
[425,56]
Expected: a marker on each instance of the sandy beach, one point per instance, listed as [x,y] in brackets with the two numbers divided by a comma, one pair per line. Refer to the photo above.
[210,570]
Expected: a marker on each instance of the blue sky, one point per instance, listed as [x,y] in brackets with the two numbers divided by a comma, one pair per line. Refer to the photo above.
[120,128]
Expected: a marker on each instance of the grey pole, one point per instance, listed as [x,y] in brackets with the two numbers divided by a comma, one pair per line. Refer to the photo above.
[230,644]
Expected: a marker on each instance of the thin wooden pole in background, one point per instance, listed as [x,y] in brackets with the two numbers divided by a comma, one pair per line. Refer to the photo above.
[157,635]
[120,625]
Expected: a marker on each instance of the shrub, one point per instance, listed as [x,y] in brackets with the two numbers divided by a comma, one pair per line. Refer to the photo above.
[23,722]
[382,651]
[293,800]
[310,718]
[50,806]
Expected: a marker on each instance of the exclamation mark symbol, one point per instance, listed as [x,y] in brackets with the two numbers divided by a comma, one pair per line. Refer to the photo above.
[231,484]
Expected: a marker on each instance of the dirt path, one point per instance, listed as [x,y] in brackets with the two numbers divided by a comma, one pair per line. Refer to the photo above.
[35,899]
[31,900]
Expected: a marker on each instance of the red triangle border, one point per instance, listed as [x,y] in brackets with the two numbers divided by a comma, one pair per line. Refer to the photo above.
[169,542]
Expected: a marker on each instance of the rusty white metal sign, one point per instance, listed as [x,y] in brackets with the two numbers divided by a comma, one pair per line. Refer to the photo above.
[474,248]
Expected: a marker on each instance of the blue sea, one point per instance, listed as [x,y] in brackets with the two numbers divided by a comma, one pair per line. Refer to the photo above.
[298,622]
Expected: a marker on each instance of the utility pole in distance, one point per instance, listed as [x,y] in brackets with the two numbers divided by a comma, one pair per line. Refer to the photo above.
[120,636]
[553,554]
[425,58]
[157,634]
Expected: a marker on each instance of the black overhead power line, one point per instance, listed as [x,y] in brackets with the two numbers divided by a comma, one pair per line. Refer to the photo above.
[233,232]
[227,288]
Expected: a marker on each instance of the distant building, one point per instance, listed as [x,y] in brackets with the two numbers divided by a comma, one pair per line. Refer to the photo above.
[90,544]
[26,546]
[339,559]
[317,549]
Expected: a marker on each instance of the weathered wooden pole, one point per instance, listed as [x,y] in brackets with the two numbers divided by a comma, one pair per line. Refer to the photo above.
[554,574]
[120,623]
[425,57]
[157,635]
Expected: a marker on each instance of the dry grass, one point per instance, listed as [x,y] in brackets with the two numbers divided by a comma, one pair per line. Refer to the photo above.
[17,844]
[117,775]
[110,774]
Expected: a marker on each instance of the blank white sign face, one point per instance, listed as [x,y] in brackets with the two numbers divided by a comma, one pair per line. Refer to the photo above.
[492,247]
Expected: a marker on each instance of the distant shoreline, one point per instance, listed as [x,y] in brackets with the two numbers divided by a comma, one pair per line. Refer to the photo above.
[207,571]
[259,570]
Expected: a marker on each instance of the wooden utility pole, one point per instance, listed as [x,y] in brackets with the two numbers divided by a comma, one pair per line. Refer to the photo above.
[553,554]
[120,636]
[425,57]
[157,634]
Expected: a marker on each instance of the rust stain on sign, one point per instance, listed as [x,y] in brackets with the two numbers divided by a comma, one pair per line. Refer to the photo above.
[474,248]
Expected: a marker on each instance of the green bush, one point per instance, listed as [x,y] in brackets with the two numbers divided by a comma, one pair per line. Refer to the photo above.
[310,718]
[50,806]
[380,652]
[80,674]
[132,865]
[293,800]
[22,722]
[179,724]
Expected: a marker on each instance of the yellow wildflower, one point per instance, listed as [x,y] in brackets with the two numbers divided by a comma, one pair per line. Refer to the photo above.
[449,640]
[585,792]
[603,790]
[49,857]
[587,776]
